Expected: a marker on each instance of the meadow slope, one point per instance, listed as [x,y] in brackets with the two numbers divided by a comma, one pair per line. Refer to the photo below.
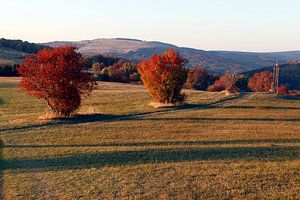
[118,147]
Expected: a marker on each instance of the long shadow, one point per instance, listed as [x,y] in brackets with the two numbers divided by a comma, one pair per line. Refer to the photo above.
[1,101]
[289,97]
[66,121]
[163,143]
[81,119]
[122,158]
[262,107]
[137,117]
[1,170]
[219,119]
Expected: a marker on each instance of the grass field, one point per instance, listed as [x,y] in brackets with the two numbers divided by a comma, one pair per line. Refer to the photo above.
[118,147]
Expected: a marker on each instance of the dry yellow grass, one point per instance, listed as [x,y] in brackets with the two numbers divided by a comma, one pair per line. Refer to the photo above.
[119,147]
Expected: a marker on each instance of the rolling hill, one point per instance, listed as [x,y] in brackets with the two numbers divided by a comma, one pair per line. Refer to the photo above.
[214,61]
[11,56]
[14,51]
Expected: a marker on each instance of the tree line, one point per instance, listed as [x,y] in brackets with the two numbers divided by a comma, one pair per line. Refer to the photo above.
[115,69]
[61,78]
[8,69]
[20,45]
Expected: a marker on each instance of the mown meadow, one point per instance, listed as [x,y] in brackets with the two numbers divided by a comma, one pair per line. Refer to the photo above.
[243,146]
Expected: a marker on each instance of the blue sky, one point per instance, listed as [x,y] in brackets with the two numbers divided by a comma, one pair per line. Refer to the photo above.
[245,25]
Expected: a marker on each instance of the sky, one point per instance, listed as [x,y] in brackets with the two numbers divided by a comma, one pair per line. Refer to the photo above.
[239,25]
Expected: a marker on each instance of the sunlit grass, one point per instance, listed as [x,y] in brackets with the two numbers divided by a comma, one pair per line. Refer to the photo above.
[119,147]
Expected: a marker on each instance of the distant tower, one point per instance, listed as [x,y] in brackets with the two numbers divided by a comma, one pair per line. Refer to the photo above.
[273,88]
[276,77]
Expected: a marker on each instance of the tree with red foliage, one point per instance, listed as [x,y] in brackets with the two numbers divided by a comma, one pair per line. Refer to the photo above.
[59,76]
[226,82]
[164,76]
[261,82]
[218,86]
[283,90]
[230,80]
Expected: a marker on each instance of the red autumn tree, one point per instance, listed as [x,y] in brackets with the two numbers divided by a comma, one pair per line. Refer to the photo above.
[230,82]
[218,86]
[261,82]
[283,90]
[226,82]
[164,76]
[59,76]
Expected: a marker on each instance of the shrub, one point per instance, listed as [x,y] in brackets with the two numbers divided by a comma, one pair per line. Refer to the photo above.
[282,90]
[230,82]
[164,76]
[58,76]
[226,82]
[261,82]
[218,86]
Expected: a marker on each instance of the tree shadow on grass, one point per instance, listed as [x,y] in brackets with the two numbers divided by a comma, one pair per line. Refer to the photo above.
[162,143]
[1,101]
[289,97]
[79,119]
[222,119]
[1,170]
[82,119]
[262,107]
[139,117]
[163,155]
[90,118]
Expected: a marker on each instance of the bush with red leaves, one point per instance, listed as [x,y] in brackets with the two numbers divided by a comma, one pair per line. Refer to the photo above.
[261,82]
[226,82]
[283,90]
[59,76]
[164,76]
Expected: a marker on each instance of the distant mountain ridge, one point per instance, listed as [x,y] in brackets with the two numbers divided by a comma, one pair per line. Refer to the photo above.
[214,61]
[111,46]
[14,52]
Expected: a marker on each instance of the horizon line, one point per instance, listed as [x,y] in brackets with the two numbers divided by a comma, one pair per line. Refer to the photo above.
[176,45]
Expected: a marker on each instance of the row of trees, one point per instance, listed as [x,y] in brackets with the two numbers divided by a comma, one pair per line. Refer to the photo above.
[121,71]
[199,79]
[8,69]
[60,76]
[20,45]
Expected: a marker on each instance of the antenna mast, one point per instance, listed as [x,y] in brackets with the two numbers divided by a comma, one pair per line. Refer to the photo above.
[276,77]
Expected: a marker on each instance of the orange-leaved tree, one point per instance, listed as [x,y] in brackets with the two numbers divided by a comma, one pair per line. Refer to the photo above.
[226,82]
[261,82]
[282,89]
[59,76]
[164,76]
[218,86]
[230,80]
